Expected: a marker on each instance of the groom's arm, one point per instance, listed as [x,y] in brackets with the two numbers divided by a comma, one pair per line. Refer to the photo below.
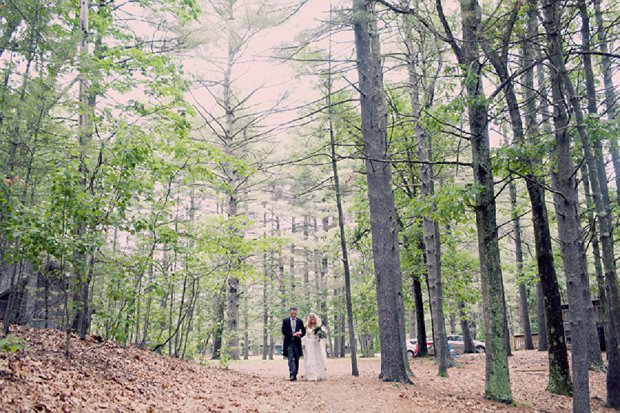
[303,329]
[284,332]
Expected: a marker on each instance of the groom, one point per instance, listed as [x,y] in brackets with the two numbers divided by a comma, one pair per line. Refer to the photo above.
[293,330]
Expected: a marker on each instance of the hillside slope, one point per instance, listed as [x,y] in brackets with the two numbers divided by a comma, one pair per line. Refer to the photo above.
[108,377]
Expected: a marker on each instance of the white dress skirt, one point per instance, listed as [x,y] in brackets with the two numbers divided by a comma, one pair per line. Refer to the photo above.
[314,356]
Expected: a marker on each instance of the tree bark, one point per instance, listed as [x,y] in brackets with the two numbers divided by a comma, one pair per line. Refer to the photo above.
[430,228]
[523,305]
[600,195]
[419,311]
[343,236]
[611,99]
[218,328]
[497,383]
[87,104]
[383,220]
[265,351]
[559,375]
[541,320]
[596,249]
[468,341]
[597,176]
[569,226]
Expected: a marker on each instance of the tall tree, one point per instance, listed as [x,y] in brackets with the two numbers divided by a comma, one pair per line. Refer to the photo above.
[523,302]
[611,100]
[341,222]
[383,222]
[594,156]
[569,226]
[559,376]
[497,384]
[430,227]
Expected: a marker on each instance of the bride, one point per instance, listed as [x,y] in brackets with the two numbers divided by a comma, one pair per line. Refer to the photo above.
[314,349]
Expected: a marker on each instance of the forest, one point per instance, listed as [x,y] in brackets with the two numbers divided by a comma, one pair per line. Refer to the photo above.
[177,174]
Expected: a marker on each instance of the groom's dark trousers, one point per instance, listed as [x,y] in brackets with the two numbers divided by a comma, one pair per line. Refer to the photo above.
[292,345]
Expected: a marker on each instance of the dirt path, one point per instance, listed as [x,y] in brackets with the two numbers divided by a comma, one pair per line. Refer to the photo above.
[462,391]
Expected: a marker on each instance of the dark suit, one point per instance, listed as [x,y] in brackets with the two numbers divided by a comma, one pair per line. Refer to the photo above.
[292,345]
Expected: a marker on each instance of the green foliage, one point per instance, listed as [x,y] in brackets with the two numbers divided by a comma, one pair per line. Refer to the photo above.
[12,344]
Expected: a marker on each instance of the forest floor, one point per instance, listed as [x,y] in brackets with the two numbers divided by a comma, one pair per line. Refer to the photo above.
[108,377]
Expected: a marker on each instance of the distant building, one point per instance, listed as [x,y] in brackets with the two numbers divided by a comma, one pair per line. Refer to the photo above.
[598,320]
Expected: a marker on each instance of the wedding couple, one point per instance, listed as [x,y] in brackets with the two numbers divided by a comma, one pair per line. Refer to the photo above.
[312,337]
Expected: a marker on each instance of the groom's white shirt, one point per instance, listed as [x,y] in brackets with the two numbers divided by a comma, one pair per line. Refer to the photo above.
[293,324]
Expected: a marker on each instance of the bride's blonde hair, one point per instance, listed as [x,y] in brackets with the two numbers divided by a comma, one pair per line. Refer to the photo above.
[318,322]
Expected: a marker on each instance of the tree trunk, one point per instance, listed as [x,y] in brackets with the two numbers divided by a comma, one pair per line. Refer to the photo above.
[383,221]
[430,228]
[246,328]
[306,266]
[418,299]
[611,99]
[87,105]
[281,276]
[265,309]
[600,196]
[343,330]
[343,237]
[598,183]
[497,384]
[232,191]
[559,375]
[412,324]
[569,226]
[541,320]
[596,249]
[232,319]
[291,268]
[218,329]
[523,306]
[468,341]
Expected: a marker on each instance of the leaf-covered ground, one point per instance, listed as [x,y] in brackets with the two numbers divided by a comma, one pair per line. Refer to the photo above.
[107,377]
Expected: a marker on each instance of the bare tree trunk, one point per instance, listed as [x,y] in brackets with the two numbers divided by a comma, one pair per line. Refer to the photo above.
[497,383]
[306,263]
[416,286]
[87,104]
[291,269]
[468,341]
[232,178]
[232,319]
[523,306]
[569,226]
[218,329]
[430,228]
[596,249]
[611,99]
[383,220]
[541,320]
[343,236]
[281,276]
[246,328]
[600,196]
[603,214]
[559,375]
[265,311]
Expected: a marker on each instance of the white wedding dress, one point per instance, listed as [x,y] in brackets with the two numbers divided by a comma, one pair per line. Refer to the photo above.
[314,355]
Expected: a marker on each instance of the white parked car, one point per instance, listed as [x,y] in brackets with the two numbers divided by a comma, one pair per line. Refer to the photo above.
[455,343]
